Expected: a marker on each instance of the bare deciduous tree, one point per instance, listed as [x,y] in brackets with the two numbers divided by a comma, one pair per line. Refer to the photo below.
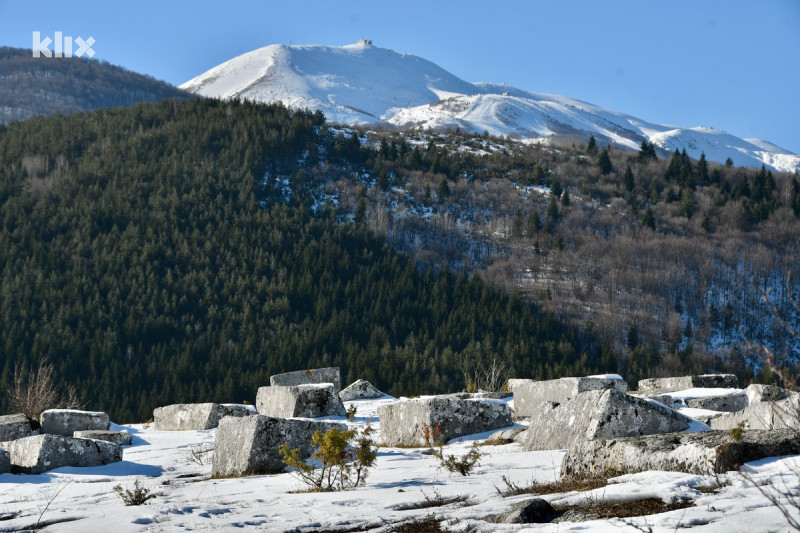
[37,391]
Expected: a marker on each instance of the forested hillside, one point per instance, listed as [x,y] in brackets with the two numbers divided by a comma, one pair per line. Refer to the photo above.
[32,86]
[146,252]
[667,259]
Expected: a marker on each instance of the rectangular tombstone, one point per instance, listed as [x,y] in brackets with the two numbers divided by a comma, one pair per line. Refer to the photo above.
[40,453]
[528,396]
[434,420]
[599,414]
[704,381]
[196,416]
[65,422]
[250,445]
[308,377]
[308,401]
[13,427]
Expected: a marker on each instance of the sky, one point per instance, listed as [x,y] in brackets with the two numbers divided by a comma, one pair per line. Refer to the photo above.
[732,65]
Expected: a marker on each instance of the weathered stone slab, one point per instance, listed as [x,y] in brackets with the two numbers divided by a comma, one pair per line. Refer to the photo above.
[704,452]
[513,384]
[40,453]
[757,393]
[5,461]
[436,419]
[249,446]
[121,438]
[599,414]
[308,377]
[727,404]
[360,390]
[783,414]
[13,427]
[705,381]
[529,396]
[65,422]
[196,416]
[308,401]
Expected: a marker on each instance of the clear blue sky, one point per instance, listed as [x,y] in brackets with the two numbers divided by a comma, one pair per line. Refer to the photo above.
[729,64]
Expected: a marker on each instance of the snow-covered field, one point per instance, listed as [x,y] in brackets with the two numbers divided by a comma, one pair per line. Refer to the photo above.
[83,499]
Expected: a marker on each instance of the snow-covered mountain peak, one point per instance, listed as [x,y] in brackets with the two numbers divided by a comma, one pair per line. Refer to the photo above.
[365,84]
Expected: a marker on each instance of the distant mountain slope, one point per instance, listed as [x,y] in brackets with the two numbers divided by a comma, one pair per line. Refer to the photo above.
[45,86]
[361,83]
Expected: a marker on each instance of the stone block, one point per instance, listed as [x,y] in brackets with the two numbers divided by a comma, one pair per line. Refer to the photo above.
[307,401]
[529,396]
[783,414]
[308,377]
[121,438]
[757,393]
[249,446]
[13,427]
[599,414]
[703,453]
[704,381]
[429,421]
[5,461]
[65,422]
[727,404]
[40,453]
[360,390]
[196,416]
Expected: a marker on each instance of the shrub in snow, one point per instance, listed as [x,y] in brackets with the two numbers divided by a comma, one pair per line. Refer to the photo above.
[341,465]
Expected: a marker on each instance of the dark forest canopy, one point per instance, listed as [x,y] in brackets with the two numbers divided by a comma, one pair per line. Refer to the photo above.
[142,254]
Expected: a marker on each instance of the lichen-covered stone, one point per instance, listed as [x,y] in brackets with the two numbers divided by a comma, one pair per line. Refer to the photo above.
[121,438]
[5,461]
[783,414]
[599,414]
[196,416]
[529,396]
[308,401]
[65,422]
[705,381]
[429,421]
[728,404]
[308,377]
[13,427]
[360,390]
[757,393]
[704,452]
[40,453]
[249,446]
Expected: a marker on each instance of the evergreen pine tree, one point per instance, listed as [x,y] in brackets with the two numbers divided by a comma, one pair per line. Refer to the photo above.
[604,162]
[627,178]
[648,220]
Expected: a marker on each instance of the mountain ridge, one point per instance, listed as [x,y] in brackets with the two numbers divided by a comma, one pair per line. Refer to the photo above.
[365,84]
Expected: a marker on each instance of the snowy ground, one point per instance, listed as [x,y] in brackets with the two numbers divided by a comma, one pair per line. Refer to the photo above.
[83,499]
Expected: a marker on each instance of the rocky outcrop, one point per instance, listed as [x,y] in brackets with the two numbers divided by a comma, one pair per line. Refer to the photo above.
[437,419]
[196,416]
[533,511]
[704,453]
[308,377]
[308,401]
[598,414]
[249,446]
[13,427]
[705,381]
[360,390]
[784,414]
[757,393]
[65,422]
[40,453]
[529,395]
[120,438]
